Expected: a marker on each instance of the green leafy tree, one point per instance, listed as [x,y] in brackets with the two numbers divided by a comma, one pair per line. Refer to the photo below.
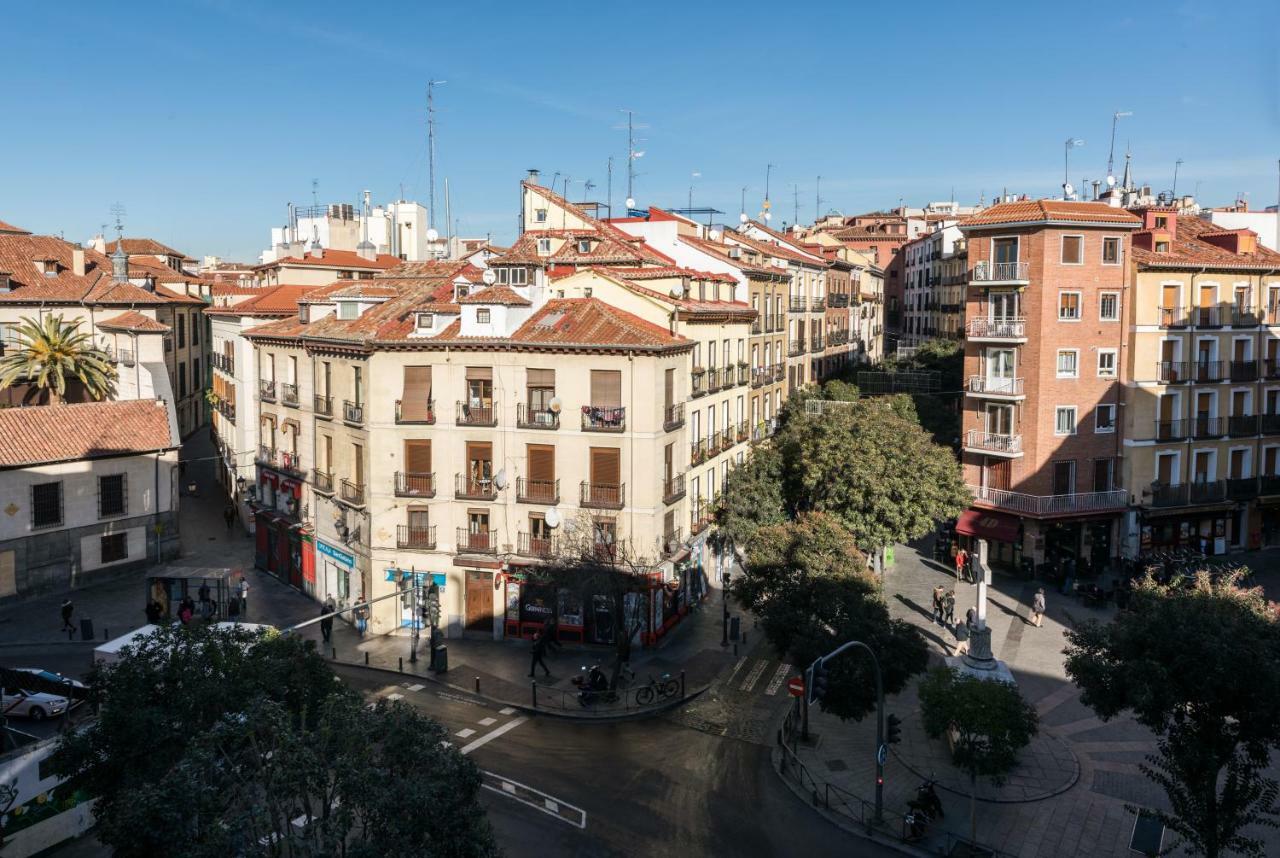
[1198,662]
[840,390]
[753,498]
[812,591]
[987,722]
[939,413]
[212,741]
[52,352]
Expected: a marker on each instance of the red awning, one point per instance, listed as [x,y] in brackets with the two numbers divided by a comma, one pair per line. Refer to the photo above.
[995,526]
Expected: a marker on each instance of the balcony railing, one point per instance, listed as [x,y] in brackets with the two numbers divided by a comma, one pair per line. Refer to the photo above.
[1242,425]
[1271,368]
[1000,272]
[1268,485]
[602,418]
[700,516]
[795,348]
[837,300]
[1208,427]
[815,345]
[779,370]
[528,417]
[818,305]
[421,538]
[322,481]
[1245,317]
[322,405]
[672,541]
[413,484]
[537,491]
[997,329]
[128,358]
[839,337]
[986,386]
[1242,488]
[1182,494]
[744,373]
[1050,504]
[756,327]
[602,495]
[420,413]
[476,414]
[1178,372]
[289,394]
[727,439]
[744,431]
[1171,430]
[797,304]
[1244,370]
[673,417]
[266,455]
[266,390]
[1270,424]
[673,489]
[698,382]
[291,462]
[477,541]
[352,493]
[760,376]
[994,442]
[1210,317]
[714,380]
[1172,371]
[468,488]
[1174,317]
[698,452]
[713,443]
[352,412]
[529,545]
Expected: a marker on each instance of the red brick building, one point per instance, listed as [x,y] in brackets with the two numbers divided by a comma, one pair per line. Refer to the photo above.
[1043,359]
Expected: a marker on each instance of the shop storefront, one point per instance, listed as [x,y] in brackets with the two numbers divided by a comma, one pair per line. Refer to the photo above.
[1002,532]
[1211,530]
[283,546]
[404,579]
[335,569]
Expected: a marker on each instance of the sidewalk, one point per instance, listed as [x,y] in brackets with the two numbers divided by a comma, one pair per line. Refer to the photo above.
[1069,793]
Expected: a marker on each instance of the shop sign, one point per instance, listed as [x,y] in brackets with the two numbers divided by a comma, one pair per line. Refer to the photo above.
[341,556]
[420,579]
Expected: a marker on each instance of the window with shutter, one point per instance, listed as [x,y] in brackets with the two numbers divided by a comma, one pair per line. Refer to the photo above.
[415,403]
[417,457]
[606,465]
[542,462]
[606,388]
[669,388]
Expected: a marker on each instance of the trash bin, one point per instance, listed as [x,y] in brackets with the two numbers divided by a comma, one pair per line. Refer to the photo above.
[86,629]
[734,623]
[440,658]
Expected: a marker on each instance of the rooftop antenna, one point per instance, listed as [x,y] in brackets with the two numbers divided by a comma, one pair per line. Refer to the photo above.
[315,208]
[795,203]
[1068,192]
[448,222]
[1111,154]
[610,181]
[632,155]
[817,199]
[1177,165]
[694,175]
[431,148]
[587,187]
[118,210]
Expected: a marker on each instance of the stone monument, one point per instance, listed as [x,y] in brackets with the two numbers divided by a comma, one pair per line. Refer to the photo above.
[980,661]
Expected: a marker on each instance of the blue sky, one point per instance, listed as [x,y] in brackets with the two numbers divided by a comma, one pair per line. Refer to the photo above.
[205,117]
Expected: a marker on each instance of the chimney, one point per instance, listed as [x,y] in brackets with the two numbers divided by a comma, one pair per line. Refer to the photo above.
[119,264]
[532,178]
[77,261]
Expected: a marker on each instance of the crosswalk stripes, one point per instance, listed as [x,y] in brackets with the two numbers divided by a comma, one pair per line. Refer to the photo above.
[753,676]
[776,682]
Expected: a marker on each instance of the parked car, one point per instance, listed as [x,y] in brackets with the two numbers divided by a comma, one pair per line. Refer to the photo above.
[35,705]
[51,676]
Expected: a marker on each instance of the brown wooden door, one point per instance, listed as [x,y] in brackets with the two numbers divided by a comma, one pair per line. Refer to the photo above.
[1237,464]
[998,474]
[479,601]
[1164,469]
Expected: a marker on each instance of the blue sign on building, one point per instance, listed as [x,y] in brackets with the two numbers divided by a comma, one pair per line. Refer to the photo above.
[341,556]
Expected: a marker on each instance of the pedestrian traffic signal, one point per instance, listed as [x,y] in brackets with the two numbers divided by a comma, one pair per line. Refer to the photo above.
[818,682]
[893,730]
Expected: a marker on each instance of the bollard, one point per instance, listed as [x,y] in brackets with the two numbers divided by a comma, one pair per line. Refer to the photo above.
[334,650]
[535,693]
[477,685]
[366,658]
[401,664]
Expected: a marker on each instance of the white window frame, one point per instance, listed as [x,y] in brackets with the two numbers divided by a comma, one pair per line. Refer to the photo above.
[501,275]
[1062,245]
[1262,459]
[1075,419]
[544,246]
[1057,364]
[1213,463]
[1102,252]
[1248,462]
[483,316]
[1115,361]
[519,276]
[1108,430]
[1101,297]
[539,215]
[1175,471]
[1079,305]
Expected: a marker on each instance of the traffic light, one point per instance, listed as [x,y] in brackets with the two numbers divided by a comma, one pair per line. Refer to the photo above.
[893,730]
[818,682]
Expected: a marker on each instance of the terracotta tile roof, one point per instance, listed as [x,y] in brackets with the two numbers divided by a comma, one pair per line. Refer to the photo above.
[363,289]
[735,309]
[721,250]
[1190,248]
[666,271]
[782,251]
[132,320]
[8,227]
[582,323]
[788,241]
[234,289]
[501,295]
[337,259]
[600,228]
[271,301]
[62,433]
[146,247]
[1051,211]
[19,254]
[604,249]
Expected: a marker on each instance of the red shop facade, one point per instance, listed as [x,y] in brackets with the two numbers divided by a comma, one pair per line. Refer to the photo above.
[284,546]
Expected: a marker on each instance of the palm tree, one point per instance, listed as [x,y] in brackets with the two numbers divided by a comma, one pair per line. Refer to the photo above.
[53,351]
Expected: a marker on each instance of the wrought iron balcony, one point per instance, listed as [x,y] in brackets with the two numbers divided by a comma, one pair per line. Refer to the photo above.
[528,417]
[352,493]
[420,538]
[756,327]
[1026,504]
[698,452]
[672,542]
[467,488]
[289,394]
[744,373]
[416,413]
[126,357]
[795,348]
[1242,425]
[529,545]
[797,304]
[743,431]
[1174,317]
[817,305]
[478,541]
[1244,370]
[266,455]
[1171,430]
[1271,368]
[415,484]
[673,489]
[1270,424]
[714,382]
[700,516]
[994,442]
[322,405]
[815,345]
[537,491]
[1245,317]
[292,463]
[322,481]
[1001,272]
[1242,488]
[697,382]
[1182,494]
[760,376]
[266,390]
[1208,427]
[603,418]
[352,412]
[1210,317]
[673,417]
[602,495]
[997,329]
[838,300]
[477,414]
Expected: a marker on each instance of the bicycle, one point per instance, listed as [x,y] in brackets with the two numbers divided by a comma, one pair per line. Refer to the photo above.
[661,688]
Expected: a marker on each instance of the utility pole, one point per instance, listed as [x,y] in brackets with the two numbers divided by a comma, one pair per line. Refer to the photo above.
[431,148]
[881,748]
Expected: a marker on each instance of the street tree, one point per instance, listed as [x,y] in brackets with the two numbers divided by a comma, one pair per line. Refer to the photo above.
[1197,661]
[987,723]
[213,741]
[812,591]
[51,352]
[753,498]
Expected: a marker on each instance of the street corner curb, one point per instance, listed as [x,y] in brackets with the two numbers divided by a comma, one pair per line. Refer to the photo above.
[775,762]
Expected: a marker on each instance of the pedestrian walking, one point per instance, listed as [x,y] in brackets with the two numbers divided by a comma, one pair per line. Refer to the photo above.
[229,516]
[938,595]
[326,623]
[538,650]
[67,610]
[949,608]
[962,564]
[962,638]
[1037,608]
[242,593]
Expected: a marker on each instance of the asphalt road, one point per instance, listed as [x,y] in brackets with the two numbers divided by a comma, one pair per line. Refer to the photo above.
[649,787]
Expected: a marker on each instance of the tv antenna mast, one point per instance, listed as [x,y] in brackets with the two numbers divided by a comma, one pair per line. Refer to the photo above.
[817,199]
[1072,142]
[1176,166]
[431,149]
[795,202]
[694,175]
[118,210]
[632,154]
[1111,154]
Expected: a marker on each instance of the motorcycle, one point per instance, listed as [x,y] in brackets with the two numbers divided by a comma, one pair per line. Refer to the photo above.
[927,799]
[594,687]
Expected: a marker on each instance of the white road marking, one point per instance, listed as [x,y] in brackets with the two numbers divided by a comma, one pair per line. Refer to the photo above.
[508,786]
[395,697]
[737,667]
[493,734]
[485,722]
[417,686]
[776,682]
[551,805]
[507,710]
[753,677]
[535,799]
[465,732]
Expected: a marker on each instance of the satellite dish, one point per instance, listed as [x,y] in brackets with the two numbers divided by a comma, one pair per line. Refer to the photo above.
[489,277]
[552,517]
[1068,190]
[677,292]
[500,479]
[631,203]
[714,235]
[1111,181]
[432,235]
[555,405]
[768,215]
[742,218]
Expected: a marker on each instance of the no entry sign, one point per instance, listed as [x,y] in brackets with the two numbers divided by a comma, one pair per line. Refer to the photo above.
[795,686]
